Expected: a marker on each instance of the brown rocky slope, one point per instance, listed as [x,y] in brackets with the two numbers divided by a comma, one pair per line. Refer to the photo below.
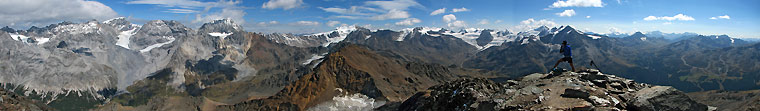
[729,100]
[354,69]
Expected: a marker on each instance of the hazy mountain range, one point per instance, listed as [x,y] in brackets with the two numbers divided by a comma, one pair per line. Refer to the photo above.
[162,64]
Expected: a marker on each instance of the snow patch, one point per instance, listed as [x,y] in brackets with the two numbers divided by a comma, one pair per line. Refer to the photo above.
[41,41]
[18,37]
[643,38]
[422,30]
[123,37]
[342,31]
[732,40]
[525,41]
[146,49]
[594,36]
[84,28]
[221,35]
[352,102]
[110,20]
[314,57]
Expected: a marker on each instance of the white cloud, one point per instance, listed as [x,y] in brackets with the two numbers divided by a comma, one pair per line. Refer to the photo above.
[667,23]
[284,4]
[409,22]
[531,24]
[376,10]
[681,17]
[226,13]
[395,4]
[346,17]
[566,13]
[588,16]
[448,18]
[577,3]
[459,10]
[229,9]
[354,10]
[457,24]
[614,30]
[648,18]
[724,17]
[185,6]
[268,23]
[439,11]
[332,23]
[721,17]
[392,14]
[483,22]
[181,11]
[306,23]
[25,13]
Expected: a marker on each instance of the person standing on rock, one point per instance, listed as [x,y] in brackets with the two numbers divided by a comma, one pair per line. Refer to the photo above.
[567,52]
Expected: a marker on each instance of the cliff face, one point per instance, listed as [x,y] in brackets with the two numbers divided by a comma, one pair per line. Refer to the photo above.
[588,90]
[353,69]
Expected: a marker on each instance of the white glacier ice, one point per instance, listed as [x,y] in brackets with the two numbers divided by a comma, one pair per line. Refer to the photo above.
[593,36]
[18,37]
[42,40]
[123,37]
[342,31]
[221,35]
[348,102]
[146,49]
[314,57]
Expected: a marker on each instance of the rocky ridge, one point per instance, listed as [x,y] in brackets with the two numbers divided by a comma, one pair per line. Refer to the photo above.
[588,90]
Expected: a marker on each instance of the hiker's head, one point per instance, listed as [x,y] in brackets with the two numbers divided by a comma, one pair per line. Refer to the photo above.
[564,42]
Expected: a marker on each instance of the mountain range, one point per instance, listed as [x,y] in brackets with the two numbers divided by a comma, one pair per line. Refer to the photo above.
[162,65]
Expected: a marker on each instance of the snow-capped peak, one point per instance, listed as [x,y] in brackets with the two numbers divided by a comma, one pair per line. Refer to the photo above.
[225,21]
[111,20]
[342,32]
[89,27]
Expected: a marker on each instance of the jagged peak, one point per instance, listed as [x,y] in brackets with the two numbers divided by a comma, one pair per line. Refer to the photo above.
[220,25]
[541,28]
[110,21]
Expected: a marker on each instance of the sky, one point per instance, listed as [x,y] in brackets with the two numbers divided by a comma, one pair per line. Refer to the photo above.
[736,18]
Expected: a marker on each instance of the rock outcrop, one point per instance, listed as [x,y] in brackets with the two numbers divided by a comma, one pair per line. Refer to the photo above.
[587,90]
[10,101]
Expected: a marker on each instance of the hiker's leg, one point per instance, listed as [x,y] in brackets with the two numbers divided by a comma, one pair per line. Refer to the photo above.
[570,60]
[571,66]
[555,64]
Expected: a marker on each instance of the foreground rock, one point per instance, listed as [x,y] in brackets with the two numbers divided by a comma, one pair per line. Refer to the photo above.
[9,101]
[729,100]
[588,90]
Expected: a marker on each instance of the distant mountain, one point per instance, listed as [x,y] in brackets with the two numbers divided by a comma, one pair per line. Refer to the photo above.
[670,36]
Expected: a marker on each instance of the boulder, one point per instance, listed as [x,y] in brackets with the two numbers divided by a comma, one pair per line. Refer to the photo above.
[664,98]
[575,93]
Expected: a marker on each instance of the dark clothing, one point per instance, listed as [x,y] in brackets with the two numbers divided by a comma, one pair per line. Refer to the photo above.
[568,59]
[566,51]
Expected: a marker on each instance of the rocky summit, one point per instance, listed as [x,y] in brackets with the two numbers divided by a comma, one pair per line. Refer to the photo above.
[585,90]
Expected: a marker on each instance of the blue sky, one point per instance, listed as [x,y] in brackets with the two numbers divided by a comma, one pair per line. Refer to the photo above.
[736,18]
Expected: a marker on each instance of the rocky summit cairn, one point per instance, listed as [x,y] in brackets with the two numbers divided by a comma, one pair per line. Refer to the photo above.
[586,90]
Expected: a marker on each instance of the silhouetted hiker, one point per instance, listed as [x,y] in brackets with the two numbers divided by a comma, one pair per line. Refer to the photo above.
[567,52]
